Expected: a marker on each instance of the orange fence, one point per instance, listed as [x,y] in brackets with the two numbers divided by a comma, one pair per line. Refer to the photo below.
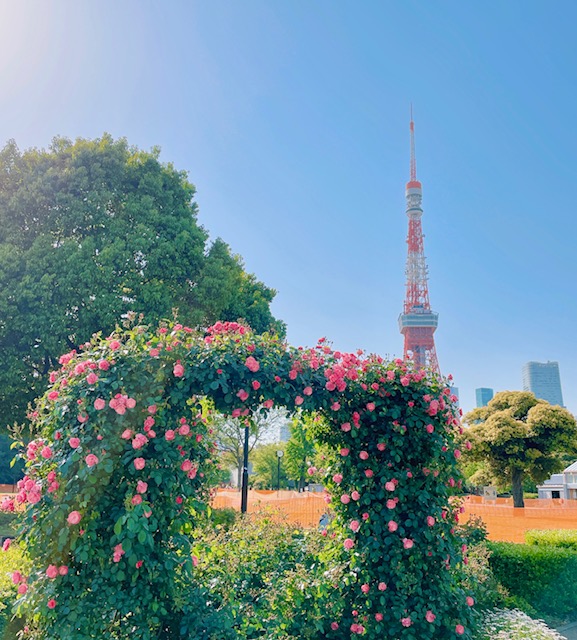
[503,521]
[304,509]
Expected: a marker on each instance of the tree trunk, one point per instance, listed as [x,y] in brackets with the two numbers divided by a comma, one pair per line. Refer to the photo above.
[517,480]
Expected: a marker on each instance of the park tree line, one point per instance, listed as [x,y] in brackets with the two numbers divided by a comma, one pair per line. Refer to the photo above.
[93,230]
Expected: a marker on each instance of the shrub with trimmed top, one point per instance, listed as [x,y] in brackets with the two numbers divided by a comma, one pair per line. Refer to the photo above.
[543,576]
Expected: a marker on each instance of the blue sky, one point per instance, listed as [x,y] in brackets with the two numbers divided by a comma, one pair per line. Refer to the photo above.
[292,120]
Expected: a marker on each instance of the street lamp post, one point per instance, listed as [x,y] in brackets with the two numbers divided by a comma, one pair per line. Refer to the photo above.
[279,455]
[244,494]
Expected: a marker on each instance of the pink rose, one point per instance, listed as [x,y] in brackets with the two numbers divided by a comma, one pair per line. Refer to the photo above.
[103,365]
[22,589]
[46,452]
[370,406]
[91,460]
[338,478]
[363,455]
[141,486]
[99,404]
[381,446]
[349,544]
[308,391]
[51,603]
[242,395]
[408,543]
[378,617]
[6,544]
[390,486]
[406,622]
[63,570]
[299,400]
[92,378]
[430,616]
[311,471]
[186,465]
[334,626]
[391,504]
[354,525]
[255,385]
[369,473]
[137,499]
[169,435]
[470,601]
[430,521]
[345,452]
[365,588]
[114,344]
[430,428]
[17,577]
[346,426]
[74,443]
[460,629]
[345,498]
[178,370]
[355,495]
[393,526]
[457,455]
[74,517]
[52,571]
[251,364]
[382,586]
[139,463]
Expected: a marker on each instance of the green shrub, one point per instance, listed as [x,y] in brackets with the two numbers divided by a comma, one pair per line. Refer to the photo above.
[8,524]
[560,538]
[479,580]
[544,577]
[223,518]
[10,561]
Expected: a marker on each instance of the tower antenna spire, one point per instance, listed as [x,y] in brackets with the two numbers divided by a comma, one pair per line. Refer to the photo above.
[413,158]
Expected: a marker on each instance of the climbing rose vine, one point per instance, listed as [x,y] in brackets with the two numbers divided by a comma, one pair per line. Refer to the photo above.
[117,476]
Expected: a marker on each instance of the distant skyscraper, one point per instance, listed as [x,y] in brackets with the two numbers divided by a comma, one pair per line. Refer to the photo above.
[483,395]
[542,379]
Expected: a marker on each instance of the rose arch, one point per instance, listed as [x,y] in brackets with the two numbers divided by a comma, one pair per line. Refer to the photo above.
[116,477]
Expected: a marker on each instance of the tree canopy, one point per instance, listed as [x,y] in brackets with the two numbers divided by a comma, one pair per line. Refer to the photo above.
[94,229]
[516,435]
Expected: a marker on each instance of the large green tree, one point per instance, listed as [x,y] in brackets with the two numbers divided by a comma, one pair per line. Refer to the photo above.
[94,229]
[517,435]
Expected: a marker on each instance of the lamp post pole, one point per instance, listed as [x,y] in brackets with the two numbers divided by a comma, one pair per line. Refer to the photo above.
[279,455]
[244,493]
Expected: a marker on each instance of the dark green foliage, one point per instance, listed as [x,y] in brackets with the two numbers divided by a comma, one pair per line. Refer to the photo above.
[9,474]
[92,230]
[543,576]
[223,518]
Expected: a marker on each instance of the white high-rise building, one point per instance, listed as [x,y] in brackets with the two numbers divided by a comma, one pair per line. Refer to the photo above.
[543,379]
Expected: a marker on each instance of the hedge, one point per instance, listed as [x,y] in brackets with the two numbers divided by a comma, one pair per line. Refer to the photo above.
[543,576]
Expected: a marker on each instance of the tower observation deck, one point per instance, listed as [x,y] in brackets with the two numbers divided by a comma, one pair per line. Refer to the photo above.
[417,323]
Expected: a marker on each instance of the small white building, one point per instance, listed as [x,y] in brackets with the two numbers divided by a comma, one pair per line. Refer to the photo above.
[560,485]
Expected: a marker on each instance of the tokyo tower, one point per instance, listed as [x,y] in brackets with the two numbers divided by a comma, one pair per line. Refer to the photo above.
[417,322]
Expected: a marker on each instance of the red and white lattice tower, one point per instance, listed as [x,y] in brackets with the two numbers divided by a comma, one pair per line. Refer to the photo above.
[417,322]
